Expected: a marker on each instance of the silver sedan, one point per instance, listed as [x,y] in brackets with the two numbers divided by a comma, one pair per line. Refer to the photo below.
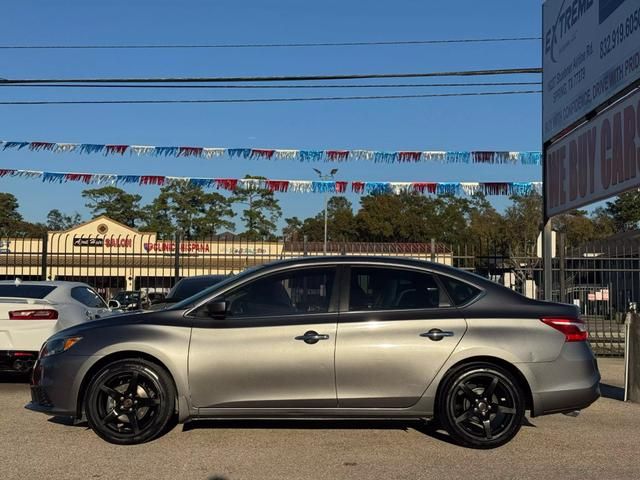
[326,337]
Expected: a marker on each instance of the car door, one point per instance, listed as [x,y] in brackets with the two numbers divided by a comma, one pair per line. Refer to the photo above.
[397,329]
[274,348]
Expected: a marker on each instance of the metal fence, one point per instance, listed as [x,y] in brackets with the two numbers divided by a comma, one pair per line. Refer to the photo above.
[601,279]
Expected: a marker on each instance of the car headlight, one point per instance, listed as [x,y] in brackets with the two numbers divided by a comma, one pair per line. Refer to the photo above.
[58,345]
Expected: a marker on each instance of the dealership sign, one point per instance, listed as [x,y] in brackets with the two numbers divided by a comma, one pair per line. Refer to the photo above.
[591,51]
[598,160]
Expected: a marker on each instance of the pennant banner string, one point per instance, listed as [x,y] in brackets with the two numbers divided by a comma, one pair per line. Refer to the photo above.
[486,157]
[296,186]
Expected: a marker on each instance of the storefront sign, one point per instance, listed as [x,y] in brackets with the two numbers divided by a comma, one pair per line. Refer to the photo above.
[591,51]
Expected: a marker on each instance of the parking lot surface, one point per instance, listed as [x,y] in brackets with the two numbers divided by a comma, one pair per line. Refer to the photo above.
[603,442]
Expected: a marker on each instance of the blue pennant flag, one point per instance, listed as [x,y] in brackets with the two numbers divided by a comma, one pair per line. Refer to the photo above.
[448,188]
[522,188]
[385,157]
[166,151]
[323,186]
[239,152]
[128,179]
[377,188]
[91,148]
[51,177]
[311,155]
[16,145]
[202,182]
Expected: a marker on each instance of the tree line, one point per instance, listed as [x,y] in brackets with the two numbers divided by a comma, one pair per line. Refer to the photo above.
[409,217]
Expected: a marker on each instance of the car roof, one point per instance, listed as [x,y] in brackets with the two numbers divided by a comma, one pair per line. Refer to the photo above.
[382,261]
[51,283]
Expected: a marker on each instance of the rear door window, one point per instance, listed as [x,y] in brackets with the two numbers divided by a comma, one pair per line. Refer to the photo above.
[378,288]
[26,291]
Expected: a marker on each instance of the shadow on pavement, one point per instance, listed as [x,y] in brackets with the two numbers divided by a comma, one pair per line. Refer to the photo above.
[611,391]
[10,377]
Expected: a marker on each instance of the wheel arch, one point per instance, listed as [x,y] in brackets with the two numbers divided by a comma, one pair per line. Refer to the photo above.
[510,367]
[180,407]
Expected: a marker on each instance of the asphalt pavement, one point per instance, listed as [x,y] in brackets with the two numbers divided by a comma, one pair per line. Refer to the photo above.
[603,442]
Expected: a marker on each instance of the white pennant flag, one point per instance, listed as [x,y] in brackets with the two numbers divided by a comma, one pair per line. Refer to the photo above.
[286,154]
[142,149]
[470,188]
[65,147]
[300,186]
[209,152]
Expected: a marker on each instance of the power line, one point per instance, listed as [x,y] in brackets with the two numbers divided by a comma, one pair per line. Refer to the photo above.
[261,100]
[279,78]
[270,45]
[387,85]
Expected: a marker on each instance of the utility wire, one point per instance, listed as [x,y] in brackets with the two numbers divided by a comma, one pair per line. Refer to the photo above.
[280,78]
[270,45]
[387,85]
[261,100]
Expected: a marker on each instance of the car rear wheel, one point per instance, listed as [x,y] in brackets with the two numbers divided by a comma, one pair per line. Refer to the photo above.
[130,402]
[481,405]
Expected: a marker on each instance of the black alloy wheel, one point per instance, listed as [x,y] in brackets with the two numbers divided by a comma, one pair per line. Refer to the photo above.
[481,405]
[130,402]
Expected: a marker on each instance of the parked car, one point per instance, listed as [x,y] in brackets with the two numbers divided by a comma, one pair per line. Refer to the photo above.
[326,337]
[156,297]
[130,300]
[30,312]
[186,288]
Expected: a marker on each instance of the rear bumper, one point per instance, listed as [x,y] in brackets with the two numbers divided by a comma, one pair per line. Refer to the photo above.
[17,361]
[571,382]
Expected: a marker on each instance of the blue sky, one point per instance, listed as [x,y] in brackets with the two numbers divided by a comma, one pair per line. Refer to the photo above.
[482,123]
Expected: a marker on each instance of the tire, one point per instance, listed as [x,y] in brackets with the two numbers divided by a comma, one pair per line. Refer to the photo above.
[130,401]
[481,405]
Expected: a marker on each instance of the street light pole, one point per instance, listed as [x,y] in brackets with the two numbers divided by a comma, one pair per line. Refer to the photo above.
[330,176]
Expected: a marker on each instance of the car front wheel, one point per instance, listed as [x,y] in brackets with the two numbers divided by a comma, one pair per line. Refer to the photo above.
[130,402]
[481,405]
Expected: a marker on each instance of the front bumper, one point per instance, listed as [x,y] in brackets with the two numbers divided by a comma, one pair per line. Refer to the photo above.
[55,384]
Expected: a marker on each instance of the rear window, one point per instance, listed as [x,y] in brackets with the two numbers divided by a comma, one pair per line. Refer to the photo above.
[26,291]
[460,292]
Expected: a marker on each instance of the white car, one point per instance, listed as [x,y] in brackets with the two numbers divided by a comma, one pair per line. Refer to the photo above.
[30,312]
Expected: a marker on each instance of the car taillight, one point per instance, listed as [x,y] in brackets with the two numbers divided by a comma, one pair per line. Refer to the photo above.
[33,315]
[574,329]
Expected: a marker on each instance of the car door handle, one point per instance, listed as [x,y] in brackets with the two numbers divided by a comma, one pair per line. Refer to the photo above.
[312,337]
[436,334]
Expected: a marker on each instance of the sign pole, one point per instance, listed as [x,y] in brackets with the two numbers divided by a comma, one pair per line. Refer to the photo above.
[547,260]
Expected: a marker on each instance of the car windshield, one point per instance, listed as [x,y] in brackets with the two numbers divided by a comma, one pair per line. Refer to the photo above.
[26,291]
[127,297]
[187,302]
[188,287]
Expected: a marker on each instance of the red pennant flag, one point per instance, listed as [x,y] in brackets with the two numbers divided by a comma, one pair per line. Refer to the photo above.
[37,146]
[337,155]
[226,183]
[409,156]
[5,171]
[152,180]
[262,153]
[482,157]
[116,149]
[357,187]
[190,151]
[341,186]
[429,187]
[78,177]
[278,185]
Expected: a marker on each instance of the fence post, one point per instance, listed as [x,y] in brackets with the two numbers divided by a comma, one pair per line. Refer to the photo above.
[304,245]
[176,259]
[561,272]
[433,249]
[45,254]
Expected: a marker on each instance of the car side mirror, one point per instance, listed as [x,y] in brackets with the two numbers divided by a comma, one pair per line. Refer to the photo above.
[114,304]
[217,309]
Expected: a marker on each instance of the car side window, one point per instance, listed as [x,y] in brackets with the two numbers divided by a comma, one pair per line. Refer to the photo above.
[88,297]
[290,293]
[459,291]
[376,288]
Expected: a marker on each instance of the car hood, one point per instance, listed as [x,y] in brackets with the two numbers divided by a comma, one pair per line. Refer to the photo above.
[152,318]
